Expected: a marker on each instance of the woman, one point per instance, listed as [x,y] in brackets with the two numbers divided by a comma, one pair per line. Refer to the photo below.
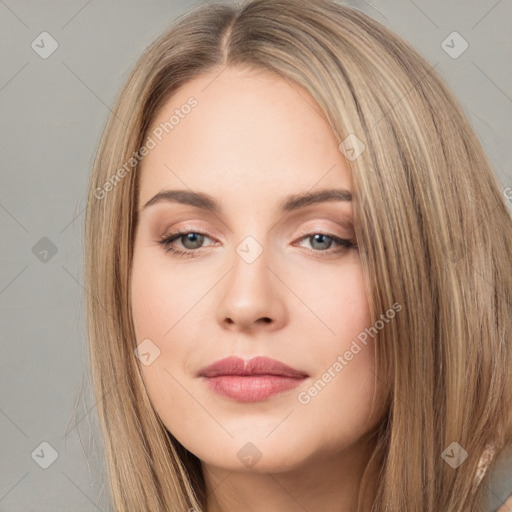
[302,295]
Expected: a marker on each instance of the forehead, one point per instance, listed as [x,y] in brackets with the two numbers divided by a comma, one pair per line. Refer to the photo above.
[249,133]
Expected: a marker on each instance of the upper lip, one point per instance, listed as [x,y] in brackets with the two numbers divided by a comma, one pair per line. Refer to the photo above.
[260,365]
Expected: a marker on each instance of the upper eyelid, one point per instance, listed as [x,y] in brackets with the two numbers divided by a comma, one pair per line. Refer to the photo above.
[341,224]
[341,244]
[176,235]
[321,212]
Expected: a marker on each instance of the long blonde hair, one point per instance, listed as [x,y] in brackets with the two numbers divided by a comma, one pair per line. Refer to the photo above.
[432,226]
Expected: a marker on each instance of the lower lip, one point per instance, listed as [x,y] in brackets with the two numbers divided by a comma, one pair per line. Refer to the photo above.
[253,388]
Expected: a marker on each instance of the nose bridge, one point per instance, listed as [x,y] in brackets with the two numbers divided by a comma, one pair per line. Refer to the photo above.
[250,277]
[251,292]
[250,264]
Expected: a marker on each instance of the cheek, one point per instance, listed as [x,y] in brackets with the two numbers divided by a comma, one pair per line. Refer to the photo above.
[336,297]
[161,295]
[169,308]
[344,382]
[162,306]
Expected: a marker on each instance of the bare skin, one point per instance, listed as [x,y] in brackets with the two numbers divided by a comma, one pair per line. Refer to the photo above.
[252,140]
[507,506]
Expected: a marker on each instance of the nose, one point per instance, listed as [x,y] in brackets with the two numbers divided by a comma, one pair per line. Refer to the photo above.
[252,297]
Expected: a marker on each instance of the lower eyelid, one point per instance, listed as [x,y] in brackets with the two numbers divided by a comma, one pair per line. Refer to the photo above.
[340,244]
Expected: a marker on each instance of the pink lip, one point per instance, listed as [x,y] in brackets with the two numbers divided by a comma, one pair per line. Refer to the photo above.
[251,381]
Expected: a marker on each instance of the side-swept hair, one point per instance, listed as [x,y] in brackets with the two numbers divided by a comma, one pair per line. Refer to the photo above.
[432,226]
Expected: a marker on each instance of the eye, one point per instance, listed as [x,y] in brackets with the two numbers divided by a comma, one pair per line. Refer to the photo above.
[323,242]
[191,240]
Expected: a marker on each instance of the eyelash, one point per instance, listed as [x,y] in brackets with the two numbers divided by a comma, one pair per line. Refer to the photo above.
[166,241]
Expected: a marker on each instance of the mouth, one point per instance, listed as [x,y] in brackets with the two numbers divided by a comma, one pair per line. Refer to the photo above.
[251,381]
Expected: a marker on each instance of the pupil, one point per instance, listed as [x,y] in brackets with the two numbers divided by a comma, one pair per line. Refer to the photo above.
[319,238]
[189,237]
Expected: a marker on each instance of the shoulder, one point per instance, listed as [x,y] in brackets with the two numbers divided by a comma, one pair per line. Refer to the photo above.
[500,483]
[507,506]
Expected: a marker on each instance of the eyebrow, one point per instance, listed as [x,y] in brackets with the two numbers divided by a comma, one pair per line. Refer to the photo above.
[290,203]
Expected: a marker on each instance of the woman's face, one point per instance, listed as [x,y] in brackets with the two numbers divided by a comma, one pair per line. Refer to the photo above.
[264,274]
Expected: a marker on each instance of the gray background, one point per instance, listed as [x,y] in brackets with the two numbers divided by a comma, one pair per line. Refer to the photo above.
[52,114]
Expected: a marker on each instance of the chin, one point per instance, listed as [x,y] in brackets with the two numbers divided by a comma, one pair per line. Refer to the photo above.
[259,457]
